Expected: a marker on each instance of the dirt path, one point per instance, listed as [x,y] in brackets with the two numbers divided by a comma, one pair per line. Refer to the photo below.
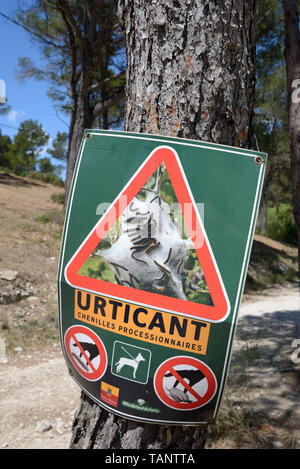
[35,387]
[37,401]
[38,398]
[260,408]
[261,401]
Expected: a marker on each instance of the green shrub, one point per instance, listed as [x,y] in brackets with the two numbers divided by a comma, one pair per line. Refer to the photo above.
[58,198]
[53,216]
[46,177]
[282,227]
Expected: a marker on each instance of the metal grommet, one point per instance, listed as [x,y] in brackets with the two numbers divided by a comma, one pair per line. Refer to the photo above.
[259,160]
[88,136]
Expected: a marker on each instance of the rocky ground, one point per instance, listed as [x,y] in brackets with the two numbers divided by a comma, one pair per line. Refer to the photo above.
[37,400]
[33,401]
[260,408]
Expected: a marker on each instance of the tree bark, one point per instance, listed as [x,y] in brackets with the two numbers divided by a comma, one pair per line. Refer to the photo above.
[190,69]
[87,55]
[82,113]
[80,120]
[191,74]
[292,57]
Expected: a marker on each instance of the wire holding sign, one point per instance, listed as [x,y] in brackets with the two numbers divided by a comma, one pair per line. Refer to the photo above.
[86,351]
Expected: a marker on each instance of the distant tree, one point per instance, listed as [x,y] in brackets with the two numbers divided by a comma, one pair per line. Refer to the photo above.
[5,143]
[59,146]
[82,45]
[58,151]
[292,57]
[271,117]
[45,166]
[271,132]
[23,152]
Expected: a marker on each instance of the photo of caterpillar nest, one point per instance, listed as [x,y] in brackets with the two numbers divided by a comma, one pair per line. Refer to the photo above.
[149,247]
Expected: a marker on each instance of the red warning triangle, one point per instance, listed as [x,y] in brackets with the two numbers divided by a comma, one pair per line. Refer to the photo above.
[220,308]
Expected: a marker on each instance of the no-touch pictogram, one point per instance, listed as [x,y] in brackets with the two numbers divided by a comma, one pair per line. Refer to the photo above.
[220,308]
[184,383]
[86,351]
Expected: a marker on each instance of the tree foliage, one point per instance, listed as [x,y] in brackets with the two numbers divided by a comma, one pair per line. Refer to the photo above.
[29,150]
[5,143]
[84,62]
[271,119]
[21,154]
[59,150]
[70,32]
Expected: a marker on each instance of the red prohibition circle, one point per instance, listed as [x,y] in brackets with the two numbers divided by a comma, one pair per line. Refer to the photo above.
[169,366]
[96,372]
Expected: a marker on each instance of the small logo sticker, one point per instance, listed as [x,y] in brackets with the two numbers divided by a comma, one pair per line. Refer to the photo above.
[109,394]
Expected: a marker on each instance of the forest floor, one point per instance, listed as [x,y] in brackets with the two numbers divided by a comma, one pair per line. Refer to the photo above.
[38,399]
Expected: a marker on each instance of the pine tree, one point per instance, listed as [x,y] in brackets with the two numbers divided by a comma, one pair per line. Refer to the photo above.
[292,57]
[191,74]
[80,41]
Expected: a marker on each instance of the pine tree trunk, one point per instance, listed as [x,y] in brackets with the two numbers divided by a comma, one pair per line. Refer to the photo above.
[82,112]
[82,119]
[191,74]
[292,57]
[265,217]
[190,69]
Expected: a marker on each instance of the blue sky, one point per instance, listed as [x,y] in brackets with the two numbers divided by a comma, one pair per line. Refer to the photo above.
[28,99]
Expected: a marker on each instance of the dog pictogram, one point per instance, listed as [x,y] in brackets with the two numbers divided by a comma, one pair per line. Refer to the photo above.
[132,362]
[90,348]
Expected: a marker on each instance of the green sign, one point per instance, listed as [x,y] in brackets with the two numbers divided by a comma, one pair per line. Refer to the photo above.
[154,257]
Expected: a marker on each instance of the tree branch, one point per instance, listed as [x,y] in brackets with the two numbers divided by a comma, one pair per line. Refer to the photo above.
[100,108]
[41,37]
[96,86]
[73,80]
[63,5]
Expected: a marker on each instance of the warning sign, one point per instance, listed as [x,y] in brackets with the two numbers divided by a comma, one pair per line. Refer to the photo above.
[184,383]
[154,255]
[147,223]
[86,351]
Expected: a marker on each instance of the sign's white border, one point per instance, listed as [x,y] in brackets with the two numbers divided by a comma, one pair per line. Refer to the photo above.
[242,275]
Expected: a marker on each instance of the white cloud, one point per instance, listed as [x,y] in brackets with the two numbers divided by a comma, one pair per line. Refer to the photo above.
[13,115]
[43,151]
